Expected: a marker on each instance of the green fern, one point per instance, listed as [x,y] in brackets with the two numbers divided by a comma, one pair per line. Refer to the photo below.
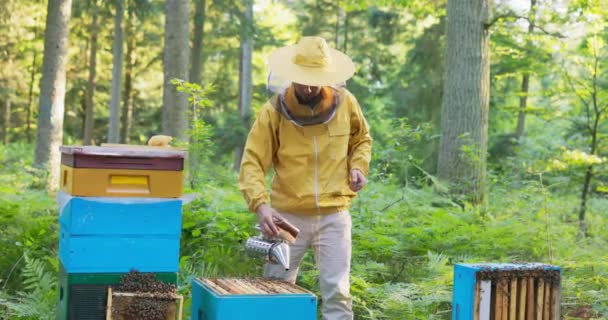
[37,301]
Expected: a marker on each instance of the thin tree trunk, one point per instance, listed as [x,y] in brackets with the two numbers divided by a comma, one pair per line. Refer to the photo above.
[114,128]
[523,104]
[52,90]
[28,109]
[597,115]
[175,64]
[197,42]
[339,21]
[89,112]
[464,123]
[525,81]
[584,196]
[127,104]
[7,121]
[245,87]
[345,48]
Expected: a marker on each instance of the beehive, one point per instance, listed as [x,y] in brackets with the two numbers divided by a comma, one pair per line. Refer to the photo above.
[506,292]
[83,296]
[122,171]
[118,235]
[251,299]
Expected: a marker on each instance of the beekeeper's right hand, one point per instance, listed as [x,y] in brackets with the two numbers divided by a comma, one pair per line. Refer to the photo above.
[267,217]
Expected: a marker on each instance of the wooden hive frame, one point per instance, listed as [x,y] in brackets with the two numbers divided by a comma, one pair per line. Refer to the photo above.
[172,314]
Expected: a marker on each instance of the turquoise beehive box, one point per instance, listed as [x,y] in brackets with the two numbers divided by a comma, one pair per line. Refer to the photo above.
[506,291]
[120,235]
[251,299]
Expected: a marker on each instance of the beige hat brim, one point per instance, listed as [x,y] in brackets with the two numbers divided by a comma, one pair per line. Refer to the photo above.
[340,69]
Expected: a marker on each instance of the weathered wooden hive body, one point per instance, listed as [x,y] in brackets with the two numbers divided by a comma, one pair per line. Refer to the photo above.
[251,299]
[117,212]
[506,292]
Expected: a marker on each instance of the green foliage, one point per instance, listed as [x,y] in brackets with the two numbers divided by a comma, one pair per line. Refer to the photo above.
[38,297]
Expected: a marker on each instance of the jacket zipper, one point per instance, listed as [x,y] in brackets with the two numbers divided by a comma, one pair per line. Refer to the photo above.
[316,182]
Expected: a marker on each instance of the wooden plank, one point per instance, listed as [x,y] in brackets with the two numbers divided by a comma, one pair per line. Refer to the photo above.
[505,299]
[523,289]
[276,286]
[210,283]
[498,307]
[289,287]
[485,300]
[181,307]
[253,284]
[250,289]
[476,301]
[513,300]
[263,285]
[540,299]
[530,309]
[555,293]
[547,303]
[109,305]
[228,286]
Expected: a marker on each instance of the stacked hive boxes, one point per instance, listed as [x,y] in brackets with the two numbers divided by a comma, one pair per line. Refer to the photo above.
[118,213]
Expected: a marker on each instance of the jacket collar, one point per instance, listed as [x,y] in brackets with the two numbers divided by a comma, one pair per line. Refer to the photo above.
[303,114]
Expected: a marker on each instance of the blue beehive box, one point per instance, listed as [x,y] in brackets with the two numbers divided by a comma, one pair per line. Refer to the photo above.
[251,299]
[119,235]
[506,291]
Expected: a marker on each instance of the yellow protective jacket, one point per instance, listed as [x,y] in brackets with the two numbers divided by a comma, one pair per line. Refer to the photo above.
[311,163]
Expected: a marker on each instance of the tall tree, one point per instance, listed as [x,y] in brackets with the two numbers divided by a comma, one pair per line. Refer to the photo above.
[117,57]
[175,65]
[127,99]
[525,81]
[464,115]
[28,108]
[589,88]
[91,84]
[52,89]
[197,42]
[245,82]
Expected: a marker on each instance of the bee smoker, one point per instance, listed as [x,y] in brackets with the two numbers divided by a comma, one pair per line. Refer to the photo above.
[275,249]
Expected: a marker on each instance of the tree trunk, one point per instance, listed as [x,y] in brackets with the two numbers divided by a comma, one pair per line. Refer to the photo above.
[523,104]
[245,81]
[89,113]
[525,81]
[345,47]
[197,42]
[584,196]
[127,104]
[52,90]
[114,128]
[28,109]
[7,121]
[464,123]
[339,22]
[175,63]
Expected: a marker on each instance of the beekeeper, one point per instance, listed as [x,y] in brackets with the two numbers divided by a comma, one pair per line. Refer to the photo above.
[313,133]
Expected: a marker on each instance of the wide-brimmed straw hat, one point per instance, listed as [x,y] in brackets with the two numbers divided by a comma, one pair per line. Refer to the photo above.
[311,62]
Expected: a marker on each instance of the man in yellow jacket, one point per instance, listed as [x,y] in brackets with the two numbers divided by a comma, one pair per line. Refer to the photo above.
[315,136]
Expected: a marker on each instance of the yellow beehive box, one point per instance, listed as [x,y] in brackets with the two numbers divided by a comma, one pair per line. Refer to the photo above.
[122,171]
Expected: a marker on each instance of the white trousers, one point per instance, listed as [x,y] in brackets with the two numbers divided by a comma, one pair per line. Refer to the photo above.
[330,238]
